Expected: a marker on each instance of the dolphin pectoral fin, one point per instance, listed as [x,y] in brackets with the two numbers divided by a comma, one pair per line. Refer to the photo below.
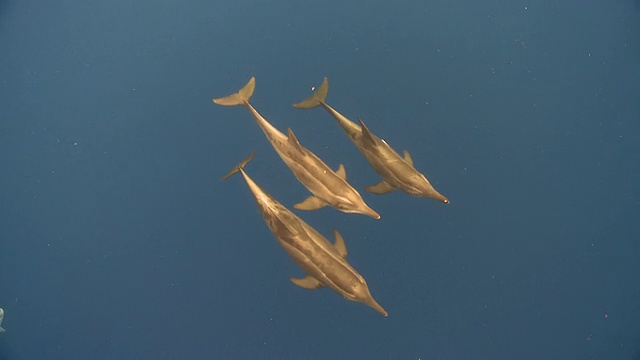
[308,282]
[310,203]
[341,172]
[293,140]
[339,244]
[380,188]
[239,98]
[316,99]
[366,133]
[407,158]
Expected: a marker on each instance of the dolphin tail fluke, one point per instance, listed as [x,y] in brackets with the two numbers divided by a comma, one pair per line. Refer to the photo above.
[241,97]
[239,167]
[316,99]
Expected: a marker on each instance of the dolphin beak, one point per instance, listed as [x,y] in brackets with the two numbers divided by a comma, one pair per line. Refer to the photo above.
[369,212]
[374,304]
[372,213]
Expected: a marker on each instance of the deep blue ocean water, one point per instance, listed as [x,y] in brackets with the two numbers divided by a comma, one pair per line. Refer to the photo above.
[119,241]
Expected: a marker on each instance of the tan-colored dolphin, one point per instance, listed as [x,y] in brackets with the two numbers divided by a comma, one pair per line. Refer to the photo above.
[324,263]
[328,187]
[397,172]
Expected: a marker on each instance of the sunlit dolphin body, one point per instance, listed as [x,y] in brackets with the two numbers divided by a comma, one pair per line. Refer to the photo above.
[328,187]
[324,263]
[397,172]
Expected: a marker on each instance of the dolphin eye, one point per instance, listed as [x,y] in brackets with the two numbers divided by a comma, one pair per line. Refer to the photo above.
[341,206]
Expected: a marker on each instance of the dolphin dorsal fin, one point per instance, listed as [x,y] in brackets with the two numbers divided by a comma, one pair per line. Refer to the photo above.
[339,244]
[341,172]
[293,140]
[407,158]
[308,282]
[366,133]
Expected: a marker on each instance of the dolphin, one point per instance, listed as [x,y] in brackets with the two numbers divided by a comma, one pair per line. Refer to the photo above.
[324,263]
[328,187]
[1,318]
[397,171]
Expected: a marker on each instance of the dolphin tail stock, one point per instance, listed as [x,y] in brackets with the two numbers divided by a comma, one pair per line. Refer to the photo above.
[316,99]
[241,97]
[239,167]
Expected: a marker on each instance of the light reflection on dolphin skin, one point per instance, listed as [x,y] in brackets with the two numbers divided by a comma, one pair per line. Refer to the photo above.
[397,172]
[324,263]
[328,187]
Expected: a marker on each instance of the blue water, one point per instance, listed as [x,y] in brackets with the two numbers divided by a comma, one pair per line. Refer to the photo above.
[119,241]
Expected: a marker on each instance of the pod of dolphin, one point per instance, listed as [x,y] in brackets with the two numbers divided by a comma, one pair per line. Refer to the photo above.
[324,263]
